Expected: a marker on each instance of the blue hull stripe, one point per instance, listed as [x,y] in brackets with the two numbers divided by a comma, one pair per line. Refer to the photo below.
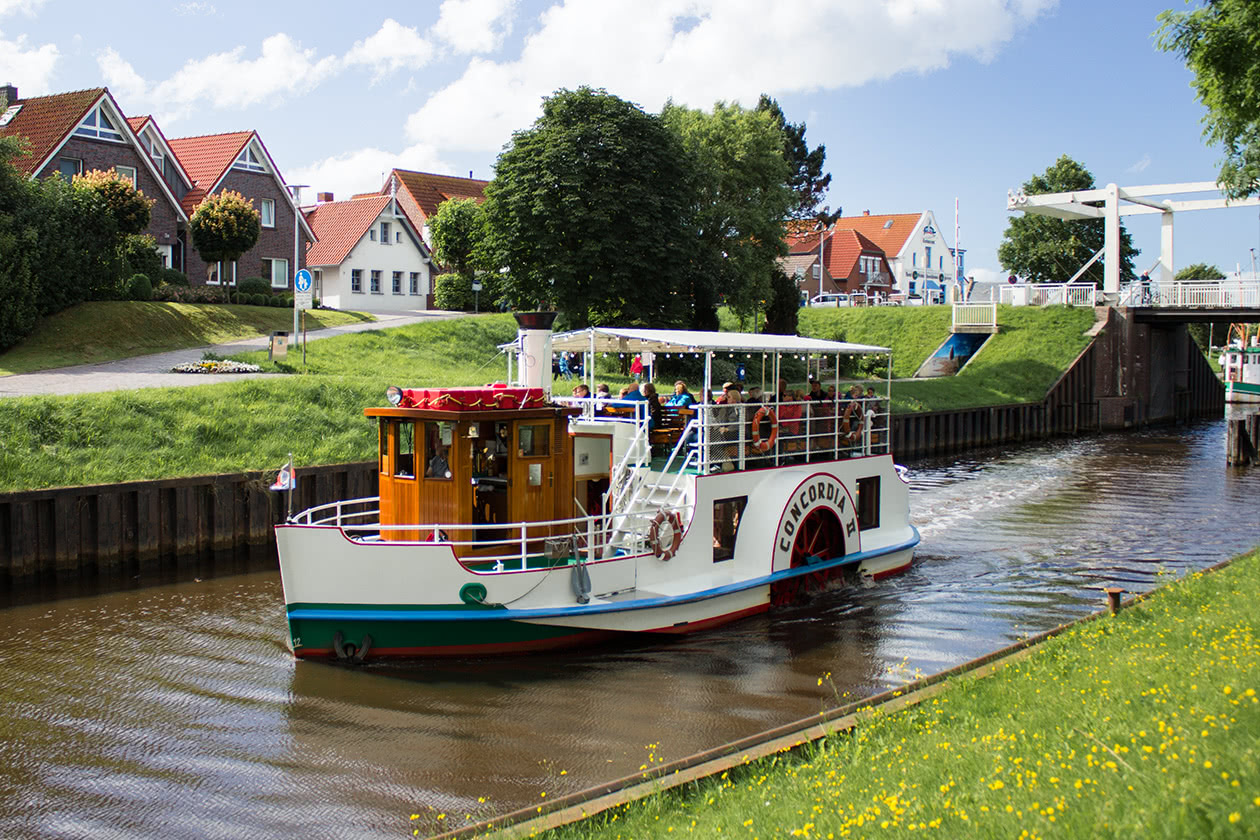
[370,614]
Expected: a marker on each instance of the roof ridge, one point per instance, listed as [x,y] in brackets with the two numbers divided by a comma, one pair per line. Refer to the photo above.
[438,175]
[96,90]
[217,134]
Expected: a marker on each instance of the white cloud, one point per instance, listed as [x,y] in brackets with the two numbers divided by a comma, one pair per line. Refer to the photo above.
[224,80]
[1140,165]
[194,9]
[28,67]
[26,7]
[392,47]
[362,171]
[474,26]
[699,51]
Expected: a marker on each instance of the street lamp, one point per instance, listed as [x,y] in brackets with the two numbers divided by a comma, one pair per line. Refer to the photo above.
[295,190]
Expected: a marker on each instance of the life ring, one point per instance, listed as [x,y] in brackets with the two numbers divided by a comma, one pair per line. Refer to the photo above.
[659,546]
[762,413]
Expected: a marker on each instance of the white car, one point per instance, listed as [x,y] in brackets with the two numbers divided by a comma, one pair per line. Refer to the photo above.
[834,299]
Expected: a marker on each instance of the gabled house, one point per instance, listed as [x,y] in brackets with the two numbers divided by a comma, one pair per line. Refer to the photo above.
[368,255]
[67,134]
[852,263]
[239,161]
[421,193]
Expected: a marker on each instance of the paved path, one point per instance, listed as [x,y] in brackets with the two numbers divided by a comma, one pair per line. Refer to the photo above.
[153,371]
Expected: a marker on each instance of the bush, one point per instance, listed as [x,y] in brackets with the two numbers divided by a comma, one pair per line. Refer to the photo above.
[450,291]
[171,277]
[139,256]
[139,287]
[254,286]
[187,294]
[275,300]
[288,300]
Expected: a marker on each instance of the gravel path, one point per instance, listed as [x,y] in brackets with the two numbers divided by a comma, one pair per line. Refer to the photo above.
[153,371]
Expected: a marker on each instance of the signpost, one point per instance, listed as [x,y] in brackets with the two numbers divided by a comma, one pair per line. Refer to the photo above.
[301,303]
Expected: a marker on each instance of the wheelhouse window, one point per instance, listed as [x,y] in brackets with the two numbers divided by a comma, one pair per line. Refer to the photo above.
[376,282]
[534,440]
[405,459]
[383,433]
[97,124]
[267,212]
[868,502]
[727,514]
[437,449]
[396,285]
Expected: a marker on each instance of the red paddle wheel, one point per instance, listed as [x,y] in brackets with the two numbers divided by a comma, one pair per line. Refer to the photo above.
[819,537]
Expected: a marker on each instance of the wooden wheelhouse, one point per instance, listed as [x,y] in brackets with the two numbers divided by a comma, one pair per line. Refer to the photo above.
[459,456]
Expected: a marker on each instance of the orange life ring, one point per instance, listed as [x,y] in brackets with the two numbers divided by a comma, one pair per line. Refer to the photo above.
[762,413]
[654,537]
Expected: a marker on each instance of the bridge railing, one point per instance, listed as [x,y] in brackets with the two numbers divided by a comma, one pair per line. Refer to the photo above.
[1049,294]
[1214,294]
[975,316]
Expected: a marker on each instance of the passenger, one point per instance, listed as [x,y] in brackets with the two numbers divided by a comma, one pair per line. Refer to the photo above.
[754,395]
[816,393]
[636,368]
[791,409]
[582,392]
[564,366]
[854,416]
[602,396]
[783,394]
[438,467]
[682,397]
[654,406]
[730,420]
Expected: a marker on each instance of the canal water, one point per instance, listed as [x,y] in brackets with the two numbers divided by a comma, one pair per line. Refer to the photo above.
[176,711]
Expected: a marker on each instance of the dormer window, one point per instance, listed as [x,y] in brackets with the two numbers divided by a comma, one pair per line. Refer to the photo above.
[96,124]
[9,114]
[249,161]
[154,149]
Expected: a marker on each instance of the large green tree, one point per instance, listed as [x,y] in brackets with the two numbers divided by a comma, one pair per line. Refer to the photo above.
[1220,43]
[224,227]
[743,198]
[806,178]
[1049,250]
[1200,271]
[589,211]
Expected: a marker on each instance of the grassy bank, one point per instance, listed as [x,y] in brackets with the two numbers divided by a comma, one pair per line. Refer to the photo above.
[1142,725]
[108,330]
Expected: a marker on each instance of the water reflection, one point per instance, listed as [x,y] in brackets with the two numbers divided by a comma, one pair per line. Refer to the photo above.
[178,711]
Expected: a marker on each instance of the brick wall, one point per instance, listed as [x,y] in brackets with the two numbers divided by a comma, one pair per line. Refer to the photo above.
[273,243]
[101,154]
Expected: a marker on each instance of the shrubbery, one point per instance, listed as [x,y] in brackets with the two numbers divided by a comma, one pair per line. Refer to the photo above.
[189,294]
[453,292]
[139,288]
[172,277]
[254,286]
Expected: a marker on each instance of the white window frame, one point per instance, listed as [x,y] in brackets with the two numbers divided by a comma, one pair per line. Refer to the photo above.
[372,234]
[267,209]
[91,127]
[356,281]
[248,161]
[414,287]
[78,170]
[128,172]
[284,276]
[395,282]
[214,267]
[384,233]
[376,282]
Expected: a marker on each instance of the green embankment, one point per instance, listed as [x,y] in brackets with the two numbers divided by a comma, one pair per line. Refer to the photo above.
[108,330]
[1146,724]
[318,415]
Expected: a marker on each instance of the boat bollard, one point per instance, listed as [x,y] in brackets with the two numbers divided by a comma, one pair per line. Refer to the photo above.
[1113,598]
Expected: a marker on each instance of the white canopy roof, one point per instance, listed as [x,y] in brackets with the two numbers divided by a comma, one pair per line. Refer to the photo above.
[613,340]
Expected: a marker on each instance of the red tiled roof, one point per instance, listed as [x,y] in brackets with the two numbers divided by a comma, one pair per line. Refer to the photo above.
[137,123]
[339,225]
[889,239]
[205,159]
[427,190]
[44,122]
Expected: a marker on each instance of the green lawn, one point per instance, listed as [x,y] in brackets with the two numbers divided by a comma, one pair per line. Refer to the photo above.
[1146,724]
[107,330]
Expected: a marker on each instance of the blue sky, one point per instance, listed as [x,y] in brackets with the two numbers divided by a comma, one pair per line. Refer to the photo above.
[918,102]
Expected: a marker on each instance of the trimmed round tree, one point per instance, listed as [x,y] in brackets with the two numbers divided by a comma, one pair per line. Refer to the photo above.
[224,227]
[127,204]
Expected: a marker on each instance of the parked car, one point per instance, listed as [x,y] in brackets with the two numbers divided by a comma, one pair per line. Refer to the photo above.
[833,299]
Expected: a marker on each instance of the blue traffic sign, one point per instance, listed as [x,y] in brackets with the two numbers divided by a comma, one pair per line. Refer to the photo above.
[302,282]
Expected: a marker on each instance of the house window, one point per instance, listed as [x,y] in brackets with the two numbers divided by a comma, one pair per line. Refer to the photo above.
[212,274]
[96,124]
[249,161]
[277,271]
[914,258]
[396,285]
[267,210]
[127,173]
[927,263]
[415,282]
[69,167]
[372,234]
[727,514]
[398,236]
[868,502]
[376,282]
[384,233]
[155,151]
[356,280]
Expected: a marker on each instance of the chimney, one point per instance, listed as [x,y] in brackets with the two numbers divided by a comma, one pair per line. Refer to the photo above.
[866,212]
[8,94]
[321,198]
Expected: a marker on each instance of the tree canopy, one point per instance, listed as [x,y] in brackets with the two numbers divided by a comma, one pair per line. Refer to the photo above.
[458,229]
[224,226]
[589,212]
[742,198]
[806,178]
[1049,250]
[128,205]
[1200,271]
[1218,42]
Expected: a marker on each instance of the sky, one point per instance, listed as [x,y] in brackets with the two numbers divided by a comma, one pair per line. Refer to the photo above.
[918,102]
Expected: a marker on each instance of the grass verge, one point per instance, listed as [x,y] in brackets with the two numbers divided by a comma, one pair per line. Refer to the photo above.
[1146,724]
[108,330]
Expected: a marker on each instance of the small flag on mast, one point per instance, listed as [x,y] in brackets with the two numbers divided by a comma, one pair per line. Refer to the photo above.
[286,479]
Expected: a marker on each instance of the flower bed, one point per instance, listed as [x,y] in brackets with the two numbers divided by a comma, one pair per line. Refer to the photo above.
[216,366]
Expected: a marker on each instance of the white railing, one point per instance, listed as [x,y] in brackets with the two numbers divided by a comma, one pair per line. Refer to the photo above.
[975,315]
[1222,294]
[1049,294]
[807,431]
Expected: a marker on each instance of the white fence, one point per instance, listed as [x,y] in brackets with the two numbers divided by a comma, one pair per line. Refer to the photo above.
[975,316]
[1049,294]
[1219,294]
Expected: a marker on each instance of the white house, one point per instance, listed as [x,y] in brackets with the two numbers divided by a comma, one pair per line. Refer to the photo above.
[918,256]
[368,255]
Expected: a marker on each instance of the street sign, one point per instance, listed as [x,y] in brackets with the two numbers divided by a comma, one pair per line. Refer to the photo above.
[302,296]
[476,285]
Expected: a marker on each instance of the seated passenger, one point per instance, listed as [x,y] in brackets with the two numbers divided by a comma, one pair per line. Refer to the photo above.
[681,397]
[438,467]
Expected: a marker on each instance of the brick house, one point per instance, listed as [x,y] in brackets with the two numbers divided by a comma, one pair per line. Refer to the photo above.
[239,161]
[68,134]
[421,193]
[852,262]
[368,255]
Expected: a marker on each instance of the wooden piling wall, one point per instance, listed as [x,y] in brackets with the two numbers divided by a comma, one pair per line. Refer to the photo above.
[105,530]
